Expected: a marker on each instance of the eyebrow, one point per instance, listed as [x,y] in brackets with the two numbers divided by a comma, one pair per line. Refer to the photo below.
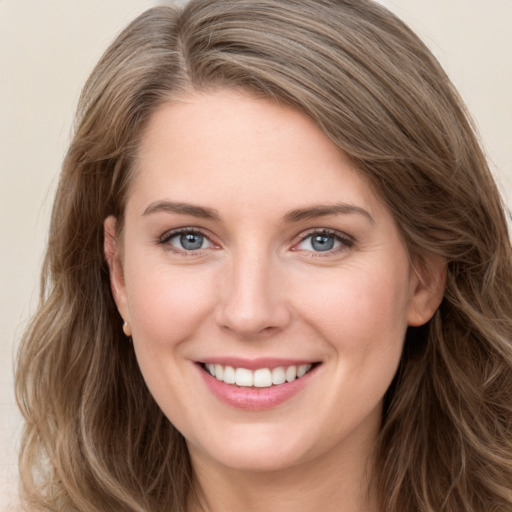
[182,208]
[297,215]
[326,210]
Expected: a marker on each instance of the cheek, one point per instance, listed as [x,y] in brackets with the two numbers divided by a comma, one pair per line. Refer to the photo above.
[166,304]
[167,307]
[357,310]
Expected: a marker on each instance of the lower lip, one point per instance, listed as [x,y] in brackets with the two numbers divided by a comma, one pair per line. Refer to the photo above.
[252,398]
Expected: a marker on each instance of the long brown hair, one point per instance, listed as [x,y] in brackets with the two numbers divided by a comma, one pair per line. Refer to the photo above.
[94,438]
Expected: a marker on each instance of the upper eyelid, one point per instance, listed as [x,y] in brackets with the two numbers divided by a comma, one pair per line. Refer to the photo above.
[167,235]
[333,232]
[164,241]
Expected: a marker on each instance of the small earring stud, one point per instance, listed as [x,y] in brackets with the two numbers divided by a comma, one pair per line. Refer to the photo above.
[126,329]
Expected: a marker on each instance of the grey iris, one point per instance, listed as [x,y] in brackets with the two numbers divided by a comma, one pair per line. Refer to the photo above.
[322,242]
[191,241]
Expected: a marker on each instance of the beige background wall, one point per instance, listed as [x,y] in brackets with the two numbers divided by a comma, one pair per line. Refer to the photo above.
[47,50]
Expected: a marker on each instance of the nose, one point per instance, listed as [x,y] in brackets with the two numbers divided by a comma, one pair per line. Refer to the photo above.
[252,297]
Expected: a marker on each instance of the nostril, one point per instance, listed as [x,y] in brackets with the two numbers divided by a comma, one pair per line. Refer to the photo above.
[255,333]
[251,304]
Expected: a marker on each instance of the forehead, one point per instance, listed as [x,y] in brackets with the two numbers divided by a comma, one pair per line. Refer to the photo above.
[230,145]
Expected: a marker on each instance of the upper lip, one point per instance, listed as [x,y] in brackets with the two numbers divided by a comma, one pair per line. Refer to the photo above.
[254,364]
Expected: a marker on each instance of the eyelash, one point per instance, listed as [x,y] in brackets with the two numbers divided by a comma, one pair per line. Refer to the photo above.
[345,241]
[168,236]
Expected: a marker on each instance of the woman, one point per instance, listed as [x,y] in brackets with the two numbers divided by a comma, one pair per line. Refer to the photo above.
[278,276]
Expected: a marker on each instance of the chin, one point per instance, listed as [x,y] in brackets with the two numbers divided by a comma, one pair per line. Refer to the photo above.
[256,452]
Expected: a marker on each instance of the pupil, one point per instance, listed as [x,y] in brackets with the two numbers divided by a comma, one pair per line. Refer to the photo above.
[191,241]
[322,242]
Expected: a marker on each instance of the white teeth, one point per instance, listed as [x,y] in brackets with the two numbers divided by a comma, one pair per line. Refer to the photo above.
[260,378]
[303,368]
[219,371]
[291,373]
[243,377]
[278,376]
[229,375]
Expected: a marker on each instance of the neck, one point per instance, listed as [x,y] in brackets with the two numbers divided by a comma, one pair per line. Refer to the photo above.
[333,484]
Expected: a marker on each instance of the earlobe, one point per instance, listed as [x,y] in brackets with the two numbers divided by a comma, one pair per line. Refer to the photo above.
[428,290]
[112,255]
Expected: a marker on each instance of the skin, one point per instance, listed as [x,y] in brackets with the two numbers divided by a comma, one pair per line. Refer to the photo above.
[258,288]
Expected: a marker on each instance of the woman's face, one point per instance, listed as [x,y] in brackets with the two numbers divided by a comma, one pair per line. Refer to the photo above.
[252,249]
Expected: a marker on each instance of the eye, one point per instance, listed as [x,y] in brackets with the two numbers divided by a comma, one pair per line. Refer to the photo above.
[187,240]
[323,241]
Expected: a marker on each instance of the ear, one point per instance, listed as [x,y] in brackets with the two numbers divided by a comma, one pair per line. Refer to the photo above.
[113,257]
[427,287]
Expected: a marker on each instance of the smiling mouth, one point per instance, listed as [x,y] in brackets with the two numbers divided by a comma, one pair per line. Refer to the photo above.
[259,378]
